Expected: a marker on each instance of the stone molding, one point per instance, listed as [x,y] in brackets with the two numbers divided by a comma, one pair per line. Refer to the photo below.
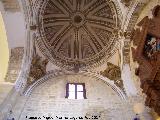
[28,49]
[56,73]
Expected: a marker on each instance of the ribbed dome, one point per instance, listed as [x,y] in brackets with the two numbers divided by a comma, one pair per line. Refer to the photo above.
[78,32]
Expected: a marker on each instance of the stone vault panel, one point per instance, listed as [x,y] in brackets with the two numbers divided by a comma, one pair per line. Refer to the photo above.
[77,33]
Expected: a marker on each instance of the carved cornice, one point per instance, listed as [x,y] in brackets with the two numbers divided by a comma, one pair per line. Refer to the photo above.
[56,73]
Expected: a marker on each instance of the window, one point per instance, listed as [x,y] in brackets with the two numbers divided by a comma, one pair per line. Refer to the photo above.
[75,91]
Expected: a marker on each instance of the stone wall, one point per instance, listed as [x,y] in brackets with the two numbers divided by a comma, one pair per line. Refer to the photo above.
[48,99]
[4,90]
[14,66]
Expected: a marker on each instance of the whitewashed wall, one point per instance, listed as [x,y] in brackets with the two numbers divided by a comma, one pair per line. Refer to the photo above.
[15,28]
[48,99]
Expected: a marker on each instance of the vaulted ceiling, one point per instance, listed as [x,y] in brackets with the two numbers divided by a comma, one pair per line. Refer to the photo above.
[75,33]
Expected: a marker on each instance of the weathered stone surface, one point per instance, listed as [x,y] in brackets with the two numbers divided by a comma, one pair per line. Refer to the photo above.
[37,69]
[15,62]
[48,99]
[11,5]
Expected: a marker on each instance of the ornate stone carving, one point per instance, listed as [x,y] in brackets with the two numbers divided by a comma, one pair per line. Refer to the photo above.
[33,27]
[134,15]
[126,52]
[14,64]
[38,69]
[148,56]
[11,5]
[136,36]
[113,72]
[77,31]
[126,2]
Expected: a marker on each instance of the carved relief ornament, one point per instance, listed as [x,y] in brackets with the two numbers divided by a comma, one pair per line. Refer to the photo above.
[37,69]
[113,72]
[147,54]
[75,31]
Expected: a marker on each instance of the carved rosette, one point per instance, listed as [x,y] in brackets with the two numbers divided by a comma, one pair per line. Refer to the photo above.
[77,33]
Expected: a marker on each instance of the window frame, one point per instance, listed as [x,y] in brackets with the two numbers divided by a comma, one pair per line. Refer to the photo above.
[76,91]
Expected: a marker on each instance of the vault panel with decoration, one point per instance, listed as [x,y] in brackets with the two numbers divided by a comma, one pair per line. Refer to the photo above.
[77,34]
